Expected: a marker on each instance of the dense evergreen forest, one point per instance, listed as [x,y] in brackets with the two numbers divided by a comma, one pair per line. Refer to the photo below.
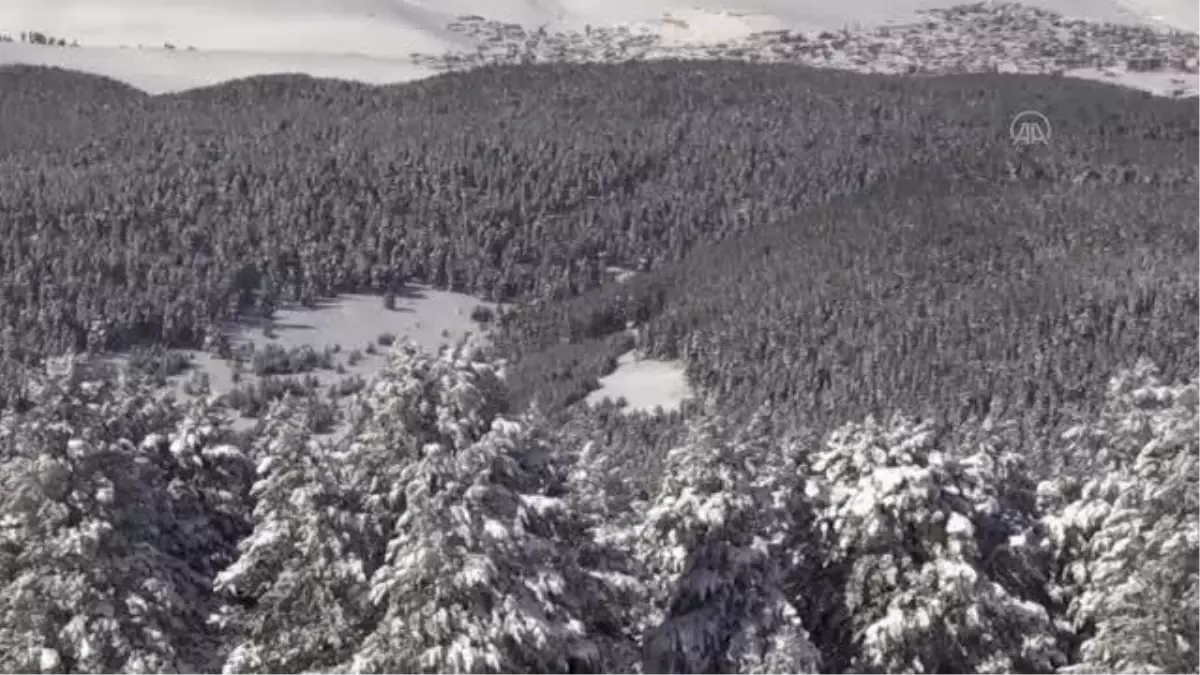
[946,412]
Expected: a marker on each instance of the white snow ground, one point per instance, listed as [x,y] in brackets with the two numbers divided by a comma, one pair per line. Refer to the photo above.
[372,40]
[1157,83]
[1166,13]
[160,71]
[429,317]
[644,384]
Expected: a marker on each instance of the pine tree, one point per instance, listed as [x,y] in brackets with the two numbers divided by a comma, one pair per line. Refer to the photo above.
[474,579]
[296,592]
[106,549]
[1124,531]
[603,540]
[722,538]
[478,571]
[431,538]
[915,530]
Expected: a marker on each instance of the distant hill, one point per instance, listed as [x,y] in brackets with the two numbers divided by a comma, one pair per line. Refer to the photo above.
[175,46]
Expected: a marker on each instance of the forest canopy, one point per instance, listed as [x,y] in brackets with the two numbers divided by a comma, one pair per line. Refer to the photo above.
[945,413]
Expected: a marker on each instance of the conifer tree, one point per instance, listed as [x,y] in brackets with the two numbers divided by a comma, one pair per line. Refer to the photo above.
[913,528]
[478,572]
[431,538]
[1123,531]
[722,538]
[108,544]
[474,579]
[295,594]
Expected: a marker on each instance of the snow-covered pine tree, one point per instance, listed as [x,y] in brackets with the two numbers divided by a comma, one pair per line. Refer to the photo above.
[448,515]
[480,574]
[324,513]
[415,401]
[1124,529]
[474,579]
[606,488]
[604,540]
[209,488]
[914,529]
[722,538]
[95,573]
[296,594]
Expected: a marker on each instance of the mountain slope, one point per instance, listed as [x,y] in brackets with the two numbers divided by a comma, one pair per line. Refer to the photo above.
[373,40]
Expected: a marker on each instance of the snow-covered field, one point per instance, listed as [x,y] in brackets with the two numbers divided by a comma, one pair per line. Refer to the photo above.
[1167,13]
[376,40]
[644,384]
[1159,84]
[158,70]
[428,317]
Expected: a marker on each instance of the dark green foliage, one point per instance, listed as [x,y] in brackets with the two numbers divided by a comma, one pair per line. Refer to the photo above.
[940,293]
[962,302]
[35,37]
[863,242]
[630,448]
[47,109]
[321,415]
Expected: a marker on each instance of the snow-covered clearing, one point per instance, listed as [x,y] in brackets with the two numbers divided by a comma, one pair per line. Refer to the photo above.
[373,40]
[420,313]
[620,274]
[1167,13]
[379,28]
[428,317]
[644,384]
[1157,83]
[393,29]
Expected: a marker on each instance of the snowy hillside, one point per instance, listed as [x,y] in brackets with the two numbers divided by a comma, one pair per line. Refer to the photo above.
[166,46]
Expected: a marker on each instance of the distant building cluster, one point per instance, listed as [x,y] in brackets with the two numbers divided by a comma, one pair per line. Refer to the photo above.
[983,37]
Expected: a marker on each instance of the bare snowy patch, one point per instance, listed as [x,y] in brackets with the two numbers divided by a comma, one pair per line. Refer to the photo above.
[1157,83]
[429,317]
[645,384]
[359,327]
[161,70]
[619,274]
